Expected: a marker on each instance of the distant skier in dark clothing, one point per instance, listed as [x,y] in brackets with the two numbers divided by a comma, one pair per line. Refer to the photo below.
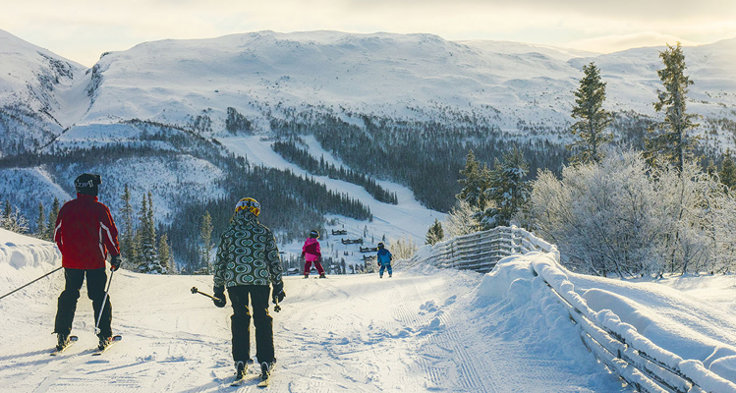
[384,260]
[85,233]
[312,254]
[247,262]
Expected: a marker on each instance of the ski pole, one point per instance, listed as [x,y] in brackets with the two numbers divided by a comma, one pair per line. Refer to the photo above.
[104,300]
[196,291]
[18,289]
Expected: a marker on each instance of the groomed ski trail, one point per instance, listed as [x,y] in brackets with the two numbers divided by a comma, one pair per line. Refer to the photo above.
[422,330]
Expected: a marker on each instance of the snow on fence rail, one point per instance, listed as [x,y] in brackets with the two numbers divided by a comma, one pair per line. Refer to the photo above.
[617,344]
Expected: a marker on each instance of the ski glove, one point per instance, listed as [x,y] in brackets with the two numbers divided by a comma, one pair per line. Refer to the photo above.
[221,301]
[115,262]
[278,294]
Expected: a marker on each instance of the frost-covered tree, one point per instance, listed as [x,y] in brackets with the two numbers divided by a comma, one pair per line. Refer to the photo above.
[53,214]
[592,119]
[435,233]
[621,217]
[508,189]
[165,259]
[727,172]
[599,214]
[127,246]
[13,220]
[670,141]
[473,182]
[205,236]
[41,223]
[146,234]
[461,220]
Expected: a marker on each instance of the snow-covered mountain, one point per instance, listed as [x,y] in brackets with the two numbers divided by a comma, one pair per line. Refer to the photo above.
[164,115]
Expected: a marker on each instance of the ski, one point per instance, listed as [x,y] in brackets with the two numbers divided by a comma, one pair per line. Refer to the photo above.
[241,375]
[113,340]
[265,375]
[72,340]
[264,382]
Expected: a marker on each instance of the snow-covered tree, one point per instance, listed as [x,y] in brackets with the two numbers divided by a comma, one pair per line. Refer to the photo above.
[53,214]
[13,220]
[41,223]
[165,259]
[621,217]
[127,229]
[473,182]
[670,141]
[434,233]
[727,172]
[461,220]
[508,189]
[205,235]
[147,251]
[592,119]
[599,215]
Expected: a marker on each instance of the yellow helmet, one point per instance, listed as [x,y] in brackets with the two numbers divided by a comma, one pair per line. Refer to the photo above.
[250,204]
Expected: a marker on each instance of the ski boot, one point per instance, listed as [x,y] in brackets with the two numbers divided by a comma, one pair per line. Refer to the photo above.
[62,340]
[105,341]
[266,370]
[306,276]
[240,369]
[322,275]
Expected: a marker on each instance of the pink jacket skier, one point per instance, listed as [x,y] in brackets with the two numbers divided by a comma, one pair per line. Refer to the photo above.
[311,253]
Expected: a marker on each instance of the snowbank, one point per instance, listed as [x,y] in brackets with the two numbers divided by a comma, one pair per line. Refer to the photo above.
[652,320]
[22,259]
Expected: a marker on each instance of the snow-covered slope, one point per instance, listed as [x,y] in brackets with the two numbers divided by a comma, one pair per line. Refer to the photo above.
[419,331]
[40,92]
[422,330]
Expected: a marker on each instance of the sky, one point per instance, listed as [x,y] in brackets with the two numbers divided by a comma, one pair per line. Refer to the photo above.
[81,30]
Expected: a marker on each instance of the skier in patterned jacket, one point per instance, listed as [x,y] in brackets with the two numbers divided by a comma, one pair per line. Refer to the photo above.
[247,262]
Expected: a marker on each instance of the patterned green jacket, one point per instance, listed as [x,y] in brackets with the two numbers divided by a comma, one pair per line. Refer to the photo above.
[247,254]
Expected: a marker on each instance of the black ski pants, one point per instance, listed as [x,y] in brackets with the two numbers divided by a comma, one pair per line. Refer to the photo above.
[263,322]
[96,280]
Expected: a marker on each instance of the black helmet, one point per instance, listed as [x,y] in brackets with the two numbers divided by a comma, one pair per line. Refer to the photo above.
[380,246]
[314,234]
[87,184]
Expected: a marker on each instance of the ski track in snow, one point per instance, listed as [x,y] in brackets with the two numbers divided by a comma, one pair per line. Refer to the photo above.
[355,333]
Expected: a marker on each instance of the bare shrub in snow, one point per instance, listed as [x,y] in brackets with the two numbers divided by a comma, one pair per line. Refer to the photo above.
[402,248]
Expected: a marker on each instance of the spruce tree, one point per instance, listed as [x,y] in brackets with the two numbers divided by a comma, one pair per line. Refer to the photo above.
[164,254]
[435,233]
[41,223]
[473,182]
[205,235]
[671,142]
[127,229]
[508,190]
[147,259]
[727,173]
[7,211]
[53,214]
[592,118]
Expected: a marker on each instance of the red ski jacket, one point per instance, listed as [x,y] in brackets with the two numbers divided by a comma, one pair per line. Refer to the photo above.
[85,233]
[310,250]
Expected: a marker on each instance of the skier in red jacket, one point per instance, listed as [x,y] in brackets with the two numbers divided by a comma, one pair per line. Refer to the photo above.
[311,253]
[85,233]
